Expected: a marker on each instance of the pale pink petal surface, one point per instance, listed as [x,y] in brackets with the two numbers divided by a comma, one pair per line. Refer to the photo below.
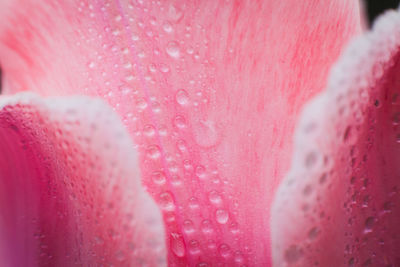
[70,189]
[339,205]
[209,90]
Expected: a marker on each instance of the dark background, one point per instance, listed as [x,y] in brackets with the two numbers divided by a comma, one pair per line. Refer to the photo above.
[377,7]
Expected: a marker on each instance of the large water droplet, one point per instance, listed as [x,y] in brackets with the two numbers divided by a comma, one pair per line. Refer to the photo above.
[222,216]
[177,244]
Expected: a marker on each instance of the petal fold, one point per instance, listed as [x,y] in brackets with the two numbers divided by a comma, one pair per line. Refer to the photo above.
[70,189]
[339,204]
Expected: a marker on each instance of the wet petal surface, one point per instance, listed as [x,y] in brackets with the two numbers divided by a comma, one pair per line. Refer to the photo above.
[70,187]
[339,204]
[209,90]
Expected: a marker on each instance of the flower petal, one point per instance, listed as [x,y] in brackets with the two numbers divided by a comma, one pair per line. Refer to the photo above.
[210,91]
[339,204]
[70,187]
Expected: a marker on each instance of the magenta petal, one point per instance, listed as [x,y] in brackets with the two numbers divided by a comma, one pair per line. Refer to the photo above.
[70,191]
[339,205]
[209,90]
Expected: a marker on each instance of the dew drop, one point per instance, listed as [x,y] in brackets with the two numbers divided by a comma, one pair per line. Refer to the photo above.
[173,49]
[177,245]
[200,171]
[167,201]
[194,247]
[188,226]
[167,27]
[224,250]
[180,122]
[182,97]
[149,130]
[206,227]
[369,224]
[313,233]
[153,152]
[222,216]
[293,254]
[215,197]
[159,178]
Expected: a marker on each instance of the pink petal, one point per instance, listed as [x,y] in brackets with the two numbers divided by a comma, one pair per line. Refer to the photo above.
[210,91]
[70,191]
[339,204]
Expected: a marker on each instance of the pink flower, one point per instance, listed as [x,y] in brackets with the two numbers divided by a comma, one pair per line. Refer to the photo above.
[207,94]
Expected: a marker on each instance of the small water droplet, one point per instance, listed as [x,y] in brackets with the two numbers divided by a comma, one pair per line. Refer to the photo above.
[293,254]
[206,227]
[153,152]
[188,226]
[369,224]
[215,197]
[194,247]
[200,171]
[173,49]
[224,250]
[149,130]
[180,122]
[222,216]
[167,201]
[182,97]
[159,178]
[313,233]
[167,27]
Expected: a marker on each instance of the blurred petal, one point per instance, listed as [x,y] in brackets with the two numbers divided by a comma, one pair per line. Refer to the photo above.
[70,189]
[339,205]
[210,91]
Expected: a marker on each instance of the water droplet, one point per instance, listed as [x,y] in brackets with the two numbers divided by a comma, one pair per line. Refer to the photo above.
[153,152]
[180,122]
[159,178]
[313,233]
[369,224]
[177,244]
[182,97]
[91,65]
[149,130]
[215,197]
[238,257]
[167,27]
[222,216]
[311,159]
[193,203]
[206,227]
[181,144]
[194,247]
[173,49]
[164,68]
[293,254]
[224,250]
[200,171]
[141,104]
[167,201]
[188,227]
